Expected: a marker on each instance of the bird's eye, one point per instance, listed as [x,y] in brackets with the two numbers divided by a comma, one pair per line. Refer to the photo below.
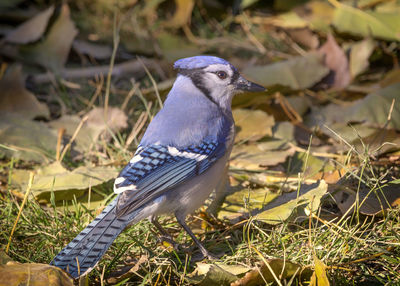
[222,74]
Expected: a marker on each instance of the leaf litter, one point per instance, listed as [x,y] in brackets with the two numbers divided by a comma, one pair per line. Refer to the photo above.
[343,93]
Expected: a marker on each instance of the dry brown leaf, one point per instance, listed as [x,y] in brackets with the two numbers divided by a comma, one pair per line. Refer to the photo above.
[116,119]
[182,14]
[126,272]
[350,193]
[96,51]
[32,29]
[211,275]
[33,274]
[94,126]
[16,99]
[335,59]
[392,77]
[53,51]
[304,37]
[282,269]
[252,124]
[253,157]
[359,55]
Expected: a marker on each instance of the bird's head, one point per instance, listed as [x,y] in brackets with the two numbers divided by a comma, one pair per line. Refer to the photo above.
[215,77]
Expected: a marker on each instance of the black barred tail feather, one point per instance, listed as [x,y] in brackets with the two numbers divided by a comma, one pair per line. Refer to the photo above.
[83,253]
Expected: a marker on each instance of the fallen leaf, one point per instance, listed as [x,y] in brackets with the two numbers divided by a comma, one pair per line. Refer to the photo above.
[126,272]
[372,110]
[308,165]
[182,14]
[116,119]
[271,207]
[15,98]
[368,200]
[283,130]
[32,29]
[288,20]
[65,184]
[34,274]
[210,275]
[388,7]
[335,59]
[308,198]
[319,277]
[304,37]
[253,157]
[300,104]
[282,268]
[359,55]
[234,269]
[96,51]
[53,51]
[237,205]
[174,47]
[93,128]
[4,258]
[296,73]
[367,23]
[252,124]
[318,14]
[392,77]
[25,139]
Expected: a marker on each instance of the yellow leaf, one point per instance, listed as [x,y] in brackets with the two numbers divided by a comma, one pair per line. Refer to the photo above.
[182,14]
[322,279]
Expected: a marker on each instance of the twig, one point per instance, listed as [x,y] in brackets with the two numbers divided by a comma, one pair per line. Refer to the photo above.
[316,154]
[129,67]
[153,82]
[217,41]
[246,28]
[99,86]
[288,109]
[60,134]
[73,137]
[136,129]
[129,96]
[28,190]
[114,53]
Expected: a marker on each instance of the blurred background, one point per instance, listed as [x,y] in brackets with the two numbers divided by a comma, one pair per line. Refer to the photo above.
[313,188]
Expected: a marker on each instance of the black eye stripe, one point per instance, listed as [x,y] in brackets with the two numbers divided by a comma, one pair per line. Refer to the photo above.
[234,77]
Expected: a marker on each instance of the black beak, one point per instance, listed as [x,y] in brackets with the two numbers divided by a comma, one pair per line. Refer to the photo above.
[245,85]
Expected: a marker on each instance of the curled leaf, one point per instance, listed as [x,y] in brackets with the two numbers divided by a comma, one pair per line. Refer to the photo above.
[32,29]
[34,274]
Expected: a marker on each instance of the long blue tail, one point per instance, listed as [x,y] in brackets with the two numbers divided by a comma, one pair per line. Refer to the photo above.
[83,253]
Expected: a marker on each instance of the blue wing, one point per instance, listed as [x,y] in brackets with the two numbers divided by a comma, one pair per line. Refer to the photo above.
[156,168]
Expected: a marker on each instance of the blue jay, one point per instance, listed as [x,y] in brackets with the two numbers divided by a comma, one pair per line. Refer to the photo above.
[179,161]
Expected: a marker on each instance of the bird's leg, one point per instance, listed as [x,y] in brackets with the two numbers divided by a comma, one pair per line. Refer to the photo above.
[165,236]
[154,220]
[203,250]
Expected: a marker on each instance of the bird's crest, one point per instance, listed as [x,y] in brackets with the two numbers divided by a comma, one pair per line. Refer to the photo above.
[199,62]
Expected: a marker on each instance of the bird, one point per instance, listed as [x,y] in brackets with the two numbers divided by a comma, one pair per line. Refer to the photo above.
[179,161]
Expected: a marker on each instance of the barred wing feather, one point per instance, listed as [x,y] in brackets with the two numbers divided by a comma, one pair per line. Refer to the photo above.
[156,169]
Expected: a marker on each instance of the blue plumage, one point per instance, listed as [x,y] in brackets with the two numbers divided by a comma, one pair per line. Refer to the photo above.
[182,157]
[199,62]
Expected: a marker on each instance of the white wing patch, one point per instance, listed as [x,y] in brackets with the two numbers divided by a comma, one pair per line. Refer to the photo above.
[148,162]
[118,190]
[119,180]
[135,159]
[194,156]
